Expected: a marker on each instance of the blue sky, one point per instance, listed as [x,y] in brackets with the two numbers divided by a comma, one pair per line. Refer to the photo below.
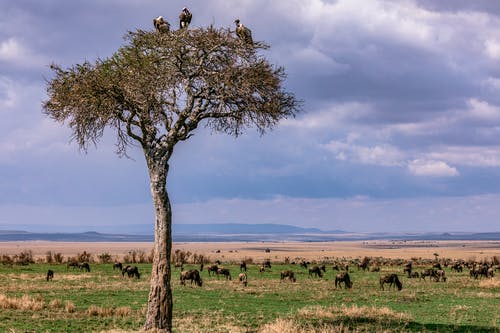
[400,129]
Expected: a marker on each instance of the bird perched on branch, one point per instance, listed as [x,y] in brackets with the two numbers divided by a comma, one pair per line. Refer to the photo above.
[243,32]
[185,18]
[161,25]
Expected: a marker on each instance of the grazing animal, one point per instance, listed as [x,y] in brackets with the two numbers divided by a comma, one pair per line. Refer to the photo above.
[267,263]
[303,264]
[315,270]
[84,266]
[50,275]
[161,25]
[392,279]
[437,266]
[73,264]
[133,271]
[243,266]
[118,265]
[243,32]
[457,267]
[288,274]
[407,268]
[243,278]
[212,269]
[440,276]
[185,18]
[343,278]
[192,275]
[414,275]
[124,269]
[430,272]
[225,272]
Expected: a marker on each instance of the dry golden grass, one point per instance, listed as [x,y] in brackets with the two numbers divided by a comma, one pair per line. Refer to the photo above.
[24,302]
[489,283]
[279,250]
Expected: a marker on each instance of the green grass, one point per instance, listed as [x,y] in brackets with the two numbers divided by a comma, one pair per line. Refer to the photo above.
[103,300]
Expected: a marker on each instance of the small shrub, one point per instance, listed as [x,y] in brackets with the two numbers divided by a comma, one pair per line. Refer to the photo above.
[69,307]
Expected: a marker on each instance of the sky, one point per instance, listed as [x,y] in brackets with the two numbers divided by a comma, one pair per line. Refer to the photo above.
[400,129]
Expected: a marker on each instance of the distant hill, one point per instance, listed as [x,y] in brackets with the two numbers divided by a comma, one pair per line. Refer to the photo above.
[232,232]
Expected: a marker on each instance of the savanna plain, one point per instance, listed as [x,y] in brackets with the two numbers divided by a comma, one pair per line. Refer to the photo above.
[105,300]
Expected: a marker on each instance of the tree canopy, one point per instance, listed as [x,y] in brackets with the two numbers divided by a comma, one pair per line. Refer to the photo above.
[158,87]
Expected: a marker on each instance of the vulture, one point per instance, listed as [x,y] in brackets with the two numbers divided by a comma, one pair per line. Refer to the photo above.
[185,18]
[243,32]
[161,25]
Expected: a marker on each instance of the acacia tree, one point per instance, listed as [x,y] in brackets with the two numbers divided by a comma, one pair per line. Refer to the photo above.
[154,91]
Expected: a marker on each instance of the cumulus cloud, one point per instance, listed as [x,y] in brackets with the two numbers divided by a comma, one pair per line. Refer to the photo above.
[14,52]
[431,168]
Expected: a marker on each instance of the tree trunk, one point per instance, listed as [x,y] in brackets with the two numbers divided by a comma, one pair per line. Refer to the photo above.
[159,315]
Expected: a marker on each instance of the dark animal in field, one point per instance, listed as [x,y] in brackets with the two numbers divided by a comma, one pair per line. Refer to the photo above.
[179,265]
[392,279]
[414,275]
[479,271]
[161,25]
[490,272]
[315,270]
[437,266]
[267,263]
[118,265]
[225,272]
[375,269]
[303,264]
[407,268]
[441,276]
[364,264]
[73,264]
[201,267]
[343,278]
[212,269]
[430,272]
[335,267]
[84,266]
[288,274]
[243,266]
[50,275]
[193,275]
[124,269]
[243,32]
[243,278]
[185,18]
[457,267]
[133,271]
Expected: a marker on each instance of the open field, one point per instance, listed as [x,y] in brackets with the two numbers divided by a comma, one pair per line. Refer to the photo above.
[279,250]
[103,301]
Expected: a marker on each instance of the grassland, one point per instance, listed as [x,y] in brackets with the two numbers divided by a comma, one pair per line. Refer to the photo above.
[104,301]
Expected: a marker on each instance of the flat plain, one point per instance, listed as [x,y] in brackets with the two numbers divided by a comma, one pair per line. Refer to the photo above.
[103,300]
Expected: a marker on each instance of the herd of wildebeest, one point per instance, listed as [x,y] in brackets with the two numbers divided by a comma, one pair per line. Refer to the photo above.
[413,269]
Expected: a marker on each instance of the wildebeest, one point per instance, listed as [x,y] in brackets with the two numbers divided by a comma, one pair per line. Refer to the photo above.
[430,272]
[457,267]
[192,275]
[267,263]
[84,266]
[303,264]
[243,278]
[225,272]
[440,276]
[212,269]
[50,275]
[407,268]
[288,274]
[118,265]
[132,271]
[392,279]
[315,270]
[414,275]
[343,277]
[243,266]
[437,266]
[73,264]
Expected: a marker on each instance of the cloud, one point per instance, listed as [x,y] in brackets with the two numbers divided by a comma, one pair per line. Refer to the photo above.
[431,168]
[14,53]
